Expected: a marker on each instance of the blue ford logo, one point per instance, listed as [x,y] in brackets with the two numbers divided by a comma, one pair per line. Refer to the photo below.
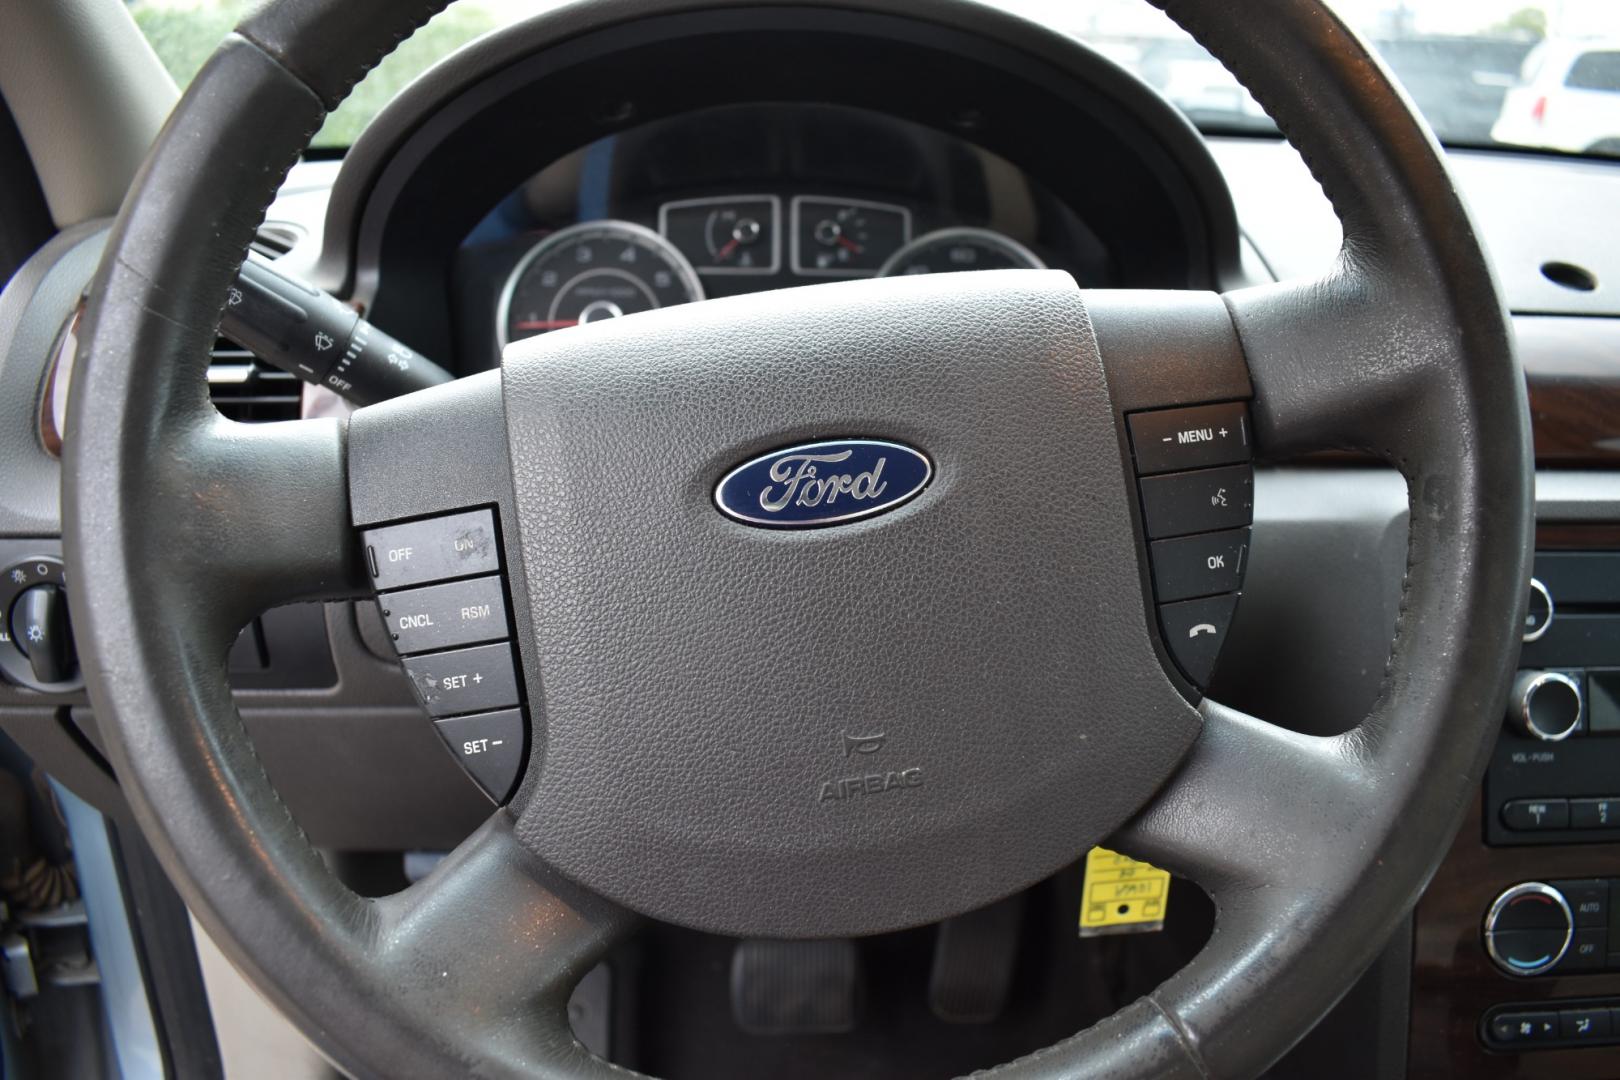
[824,483]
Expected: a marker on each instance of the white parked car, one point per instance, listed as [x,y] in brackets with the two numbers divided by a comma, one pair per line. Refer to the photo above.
[1566,99]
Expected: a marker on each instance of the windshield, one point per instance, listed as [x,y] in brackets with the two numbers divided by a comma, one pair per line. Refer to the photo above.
[1484,72]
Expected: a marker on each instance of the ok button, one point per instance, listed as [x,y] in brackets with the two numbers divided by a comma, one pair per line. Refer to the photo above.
[1202,565]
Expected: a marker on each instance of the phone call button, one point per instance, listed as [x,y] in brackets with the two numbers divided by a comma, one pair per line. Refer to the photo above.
[1195,630]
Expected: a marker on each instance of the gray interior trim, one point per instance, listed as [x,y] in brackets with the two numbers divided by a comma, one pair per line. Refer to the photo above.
[1577,496]
[35,304]
[89,95]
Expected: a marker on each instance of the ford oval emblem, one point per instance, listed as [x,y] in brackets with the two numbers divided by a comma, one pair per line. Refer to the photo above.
[824,483]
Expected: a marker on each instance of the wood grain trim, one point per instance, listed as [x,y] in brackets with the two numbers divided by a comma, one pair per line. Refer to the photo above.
[1454,982]
[1572,369]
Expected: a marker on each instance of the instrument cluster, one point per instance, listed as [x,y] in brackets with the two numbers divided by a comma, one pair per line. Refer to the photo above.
[605,269]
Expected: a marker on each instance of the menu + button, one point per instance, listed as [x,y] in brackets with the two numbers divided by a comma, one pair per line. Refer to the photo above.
[1169,439]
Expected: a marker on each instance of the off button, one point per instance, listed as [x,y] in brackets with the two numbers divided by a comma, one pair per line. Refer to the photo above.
[456,545]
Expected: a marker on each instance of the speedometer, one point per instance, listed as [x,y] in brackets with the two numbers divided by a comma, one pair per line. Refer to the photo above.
[947,250]
[591,271]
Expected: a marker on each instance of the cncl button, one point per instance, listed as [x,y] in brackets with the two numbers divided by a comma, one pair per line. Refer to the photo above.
[442,616]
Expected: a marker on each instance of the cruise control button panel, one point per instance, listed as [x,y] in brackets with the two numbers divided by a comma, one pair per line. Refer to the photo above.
[1197,490]
[441,591]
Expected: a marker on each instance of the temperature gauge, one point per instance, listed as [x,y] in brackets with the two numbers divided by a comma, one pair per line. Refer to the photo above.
[731,234]
[947,250]
[846,238]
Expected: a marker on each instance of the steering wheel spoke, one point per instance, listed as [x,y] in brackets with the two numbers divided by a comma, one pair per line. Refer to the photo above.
[498,940]
[257,513]
[1253,806]
[1338,363]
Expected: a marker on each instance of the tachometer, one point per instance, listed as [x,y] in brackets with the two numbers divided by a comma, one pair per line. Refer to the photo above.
[947,250]
[591,271]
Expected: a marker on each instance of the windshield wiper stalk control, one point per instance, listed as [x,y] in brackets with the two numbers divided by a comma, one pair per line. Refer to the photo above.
[298,328]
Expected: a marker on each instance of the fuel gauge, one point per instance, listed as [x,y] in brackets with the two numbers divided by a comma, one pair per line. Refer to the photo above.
[730,234]
[846,237]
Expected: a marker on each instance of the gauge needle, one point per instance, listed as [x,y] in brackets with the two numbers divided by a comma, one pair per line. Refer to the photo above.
[726,249]
[846,242]
[544,324]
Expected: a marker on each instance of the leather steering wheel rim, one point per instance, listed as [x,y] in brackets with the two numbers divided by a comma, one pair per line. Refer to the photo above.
[1312,848]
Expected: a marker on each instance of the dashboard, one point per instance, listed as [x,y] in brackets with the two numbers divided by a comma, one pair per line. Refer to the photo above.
[751,197]
[720,158]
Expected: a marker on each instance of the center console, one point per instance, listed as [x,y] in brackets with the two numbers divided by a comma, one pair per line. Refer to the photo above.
[1517,942]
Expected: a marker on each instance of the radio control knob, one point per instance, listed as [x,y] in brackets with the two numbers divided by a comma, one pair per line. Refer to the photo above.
[1546,705]
[1528,929]
[1538,613]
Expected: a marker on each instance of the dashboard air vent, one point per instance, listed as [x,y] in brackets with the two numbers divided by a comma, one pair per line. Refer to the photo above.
[243,388]
[275,238]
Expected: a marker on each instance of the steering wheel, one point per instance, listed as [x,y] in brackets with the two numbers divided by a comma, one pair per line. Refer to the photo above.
[689,676]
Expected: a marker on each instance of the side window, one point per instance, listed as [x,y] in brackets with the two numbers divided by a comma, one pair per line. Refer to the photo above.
[1595,71]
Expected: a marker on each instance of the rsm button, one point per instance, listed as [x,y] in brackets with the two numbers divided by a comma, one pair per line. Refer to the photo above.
[443,616]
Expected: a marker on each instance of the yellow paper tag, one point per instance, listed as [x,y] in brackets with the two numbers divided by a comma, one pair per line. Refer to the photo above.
[1121,895]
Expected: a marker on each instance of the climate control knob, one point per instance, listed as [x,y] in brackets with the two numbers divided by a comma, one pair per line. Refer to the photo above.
[1528,929]
[1546,705]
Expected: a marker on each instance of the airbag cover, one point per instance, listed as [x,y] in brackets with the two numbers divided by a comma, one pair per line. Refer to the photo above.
[845,729]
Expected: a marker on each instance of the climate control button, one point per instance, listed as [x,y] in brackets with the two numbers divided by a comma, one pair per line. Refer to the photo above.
[1528,929]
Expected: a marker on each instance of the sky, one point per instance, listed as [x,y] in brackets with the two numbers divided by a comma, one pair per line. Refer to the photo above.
[1580,18]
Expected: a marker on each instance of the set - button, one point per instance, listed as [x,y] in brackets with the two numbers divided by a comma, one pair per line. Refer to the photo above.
[442,598]
[1197,491]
